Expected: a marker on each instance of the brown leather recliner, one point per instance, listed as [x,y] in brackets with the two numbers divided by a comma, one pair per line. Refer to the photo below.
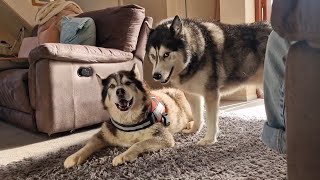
[59,90]
[297,20]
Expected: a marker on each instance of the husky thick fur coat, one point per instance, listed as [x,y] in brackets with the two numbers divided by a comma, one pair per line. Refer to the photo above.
[207,60]
[129,103]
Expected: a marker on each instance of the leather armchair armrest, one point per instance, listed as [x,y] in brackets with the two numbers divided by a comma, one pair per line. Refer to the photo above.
[302,111]
[78,53]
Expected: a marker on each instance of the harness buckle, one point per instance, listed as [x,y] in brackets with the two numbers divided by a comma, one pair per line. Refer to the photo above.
[165,119]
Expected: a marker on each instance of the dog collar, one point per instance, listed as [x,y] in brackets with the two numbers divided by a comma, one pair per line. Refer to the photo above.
[157,114]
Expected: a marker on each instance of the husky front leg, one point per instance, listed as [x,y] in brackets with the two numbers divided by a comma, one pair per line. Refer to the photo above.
[95,143]
[212,100]
[152,144]
[197,107]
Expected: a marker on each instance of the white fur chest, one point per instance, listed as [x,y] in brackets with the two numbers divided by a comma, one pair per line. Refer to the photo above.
[196,84]
[130,138]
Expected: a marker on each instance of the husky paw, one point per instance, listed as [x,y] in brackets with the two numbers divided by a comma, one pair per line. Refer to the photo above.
[190,129]
[73,160]
[205,141]
[122,158]
[190,125]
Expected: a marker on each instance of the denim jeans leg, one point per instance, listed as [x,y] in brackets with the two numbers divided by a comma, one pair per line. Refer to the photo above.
[273,134]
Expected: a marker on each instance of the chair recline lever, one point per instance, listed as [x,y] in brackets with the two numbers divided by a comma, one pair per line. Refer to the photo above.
[85,72]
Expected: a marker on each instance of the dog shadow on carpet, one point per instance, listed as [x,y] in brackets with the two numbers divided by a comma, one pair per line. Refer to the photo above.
[238,154]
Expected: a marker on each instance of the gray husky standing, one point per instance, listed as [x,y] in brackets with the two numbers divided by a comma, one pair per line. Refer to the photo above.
[207,60]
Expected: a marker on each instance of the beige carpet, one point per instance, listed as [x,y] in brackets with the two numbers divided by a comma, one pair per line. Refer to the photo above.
[239,154]
[16,143]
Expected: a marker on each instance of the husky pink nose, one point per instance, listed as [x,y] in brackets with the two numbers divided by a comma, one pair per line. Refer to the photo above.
[157,76]
[120,92]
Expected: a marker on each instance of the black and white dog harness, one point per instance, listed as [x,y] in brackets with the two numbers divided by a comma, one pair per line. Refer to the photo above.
[158,113]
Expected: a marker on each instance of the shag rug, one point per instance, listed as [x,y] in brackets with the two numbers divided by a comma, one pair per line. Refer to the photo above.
[238,154]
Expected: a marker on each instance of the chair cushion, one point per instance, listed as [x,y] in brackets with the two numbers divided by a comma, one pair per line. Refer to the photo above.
[118,27]
[78,31]
[27,45]
[14,90]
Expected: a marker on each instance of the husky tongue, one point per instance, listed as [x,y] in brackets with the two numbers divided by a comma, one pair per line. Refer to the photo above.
[123,102]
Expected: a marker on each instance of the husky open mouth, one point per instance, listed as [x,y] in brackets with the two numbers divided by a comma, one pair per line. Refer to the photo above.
[124,104]
[166,80]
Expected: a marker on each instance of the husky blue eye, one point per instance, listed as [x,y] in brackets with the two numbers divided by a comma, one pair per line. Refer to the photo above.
[112,86]
[166,55]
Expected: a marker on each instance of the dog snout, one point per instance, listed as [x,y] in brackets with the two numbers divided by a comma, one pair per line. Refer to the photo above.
[120,92]
[157,76]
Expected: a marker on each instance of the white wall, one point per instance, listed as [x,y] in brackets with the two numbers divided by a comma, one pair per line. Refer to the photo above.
[15,14]
[24,9]
[250,11]
[237,11]
[203,9]
[154,8]
[5,36]
[91,5]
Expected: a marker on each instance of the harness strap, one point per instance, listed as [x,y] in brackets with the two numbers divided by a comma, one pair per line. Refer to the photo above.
[159,108]
[157,114]
[135,127]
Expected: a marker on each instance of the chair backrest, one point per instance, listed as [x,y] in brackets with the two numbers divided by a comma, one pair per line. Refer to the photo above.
[118,27]
[142,39]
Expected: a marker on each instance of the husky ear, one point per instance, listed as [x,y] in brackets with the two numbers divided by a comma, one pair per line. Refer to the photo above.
[176,26]
[99,81]
[136,72]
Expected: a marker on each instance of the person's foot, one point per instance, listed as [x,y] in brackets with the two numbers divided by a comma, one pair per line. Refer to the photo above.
[260,94]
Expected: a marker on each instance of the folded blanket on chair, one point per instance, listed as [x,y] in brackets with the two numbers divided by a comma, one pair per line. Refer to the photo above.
[49,19]
[53,8]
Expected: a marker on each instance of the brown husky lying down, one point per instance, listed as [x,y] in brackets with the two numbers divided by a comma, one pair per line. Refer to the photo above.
[141,120]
